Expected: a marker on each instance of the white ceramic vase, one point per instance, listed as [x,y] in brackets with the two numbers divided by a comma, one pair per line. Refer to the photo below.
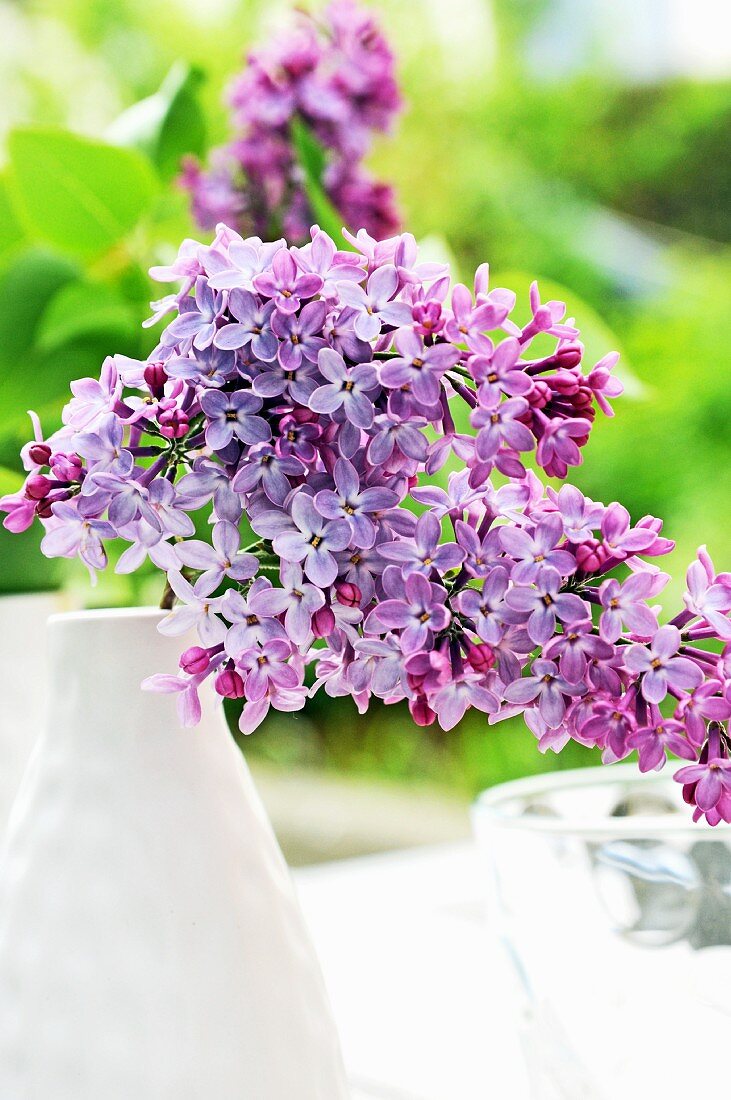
[151,946]
[23,687]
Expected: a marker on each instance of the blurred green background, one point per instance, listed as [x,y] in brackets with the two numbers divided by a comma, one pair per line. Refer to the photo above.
[583,142]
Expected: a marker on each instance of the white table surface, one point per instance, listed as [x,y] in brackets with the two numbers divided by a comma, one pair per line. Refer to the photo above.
[419,987]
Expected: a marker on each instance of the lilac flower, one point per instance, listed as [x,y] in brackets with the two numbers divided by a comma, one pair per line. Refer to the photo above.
[220,560]
[253,328]
[374,306]
[71,535]
[623,605]
[533,552]
[580,515]
[619,538]
[424,553]
[481,555]
[313,542]
[267,666]
[346,388]
[361,567]
[242,262]
[660,667]
[209,480]
[92,398]
[197,611]
[393,434]
[197,316]
[419,614]
[378,666]
[576,647]
[354,504]
[263,466]
[709,600]
[296,600]
[451,701]
[487,609]
[544,604]
[707,784]
[298,335]
[249,628]
[500,423]
[500,373]
[559,445]
[296,383]
[419,367]
[294,427]
[286,284]
[469,321]
[104,447]
[546,689]
[705,701]
[653,742]
[232,416]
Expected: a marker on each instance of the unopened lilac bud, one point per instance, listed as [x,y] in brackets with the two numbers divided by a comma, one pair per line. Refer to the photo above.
[565,382]
[173,423]
[569,355]
[540,394]
[230,684]
[40,454]
[66,467]
[194,660]
[421,712]
[480,657]
[155,376]
[590,556]
[323,622]
[38,487]
[348,594]
[43,508]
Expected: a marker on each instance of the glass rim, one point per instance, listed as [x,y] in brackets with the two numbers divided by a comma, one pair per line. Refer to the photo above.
[490,807]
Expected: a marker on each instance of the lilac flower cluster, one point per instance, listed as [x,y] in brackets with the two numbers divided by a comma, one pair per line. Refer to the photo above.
[310,394]
[333,72]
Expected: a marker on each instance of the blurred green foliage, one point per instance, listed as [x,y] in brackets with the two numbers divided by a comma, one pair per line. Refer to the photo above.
[618,192]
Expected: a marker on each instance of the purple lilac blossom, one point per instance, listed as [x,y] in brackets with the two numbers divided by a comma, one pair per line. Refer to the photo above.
[335,74]
[303,399]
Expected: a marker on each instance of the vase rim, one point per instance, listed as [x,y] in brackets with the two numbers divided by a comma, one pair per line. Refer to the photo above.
[507,805]
[94,614]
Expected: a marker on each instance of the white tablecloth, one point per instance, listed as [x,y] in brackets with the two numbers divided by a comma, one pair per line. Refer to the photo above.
[419,986]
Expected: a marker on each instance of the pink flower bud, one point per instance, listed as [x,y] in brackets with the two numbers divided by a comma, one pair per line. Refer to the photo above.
[40,454]
[569,355]
[194,660]
[38,487]
[155,376]
[323,622]
[421,712]
[66,467]
[590,556]
[348,594]
[173,423]
[565,382]
[480,657]
[230,684]
[540,395]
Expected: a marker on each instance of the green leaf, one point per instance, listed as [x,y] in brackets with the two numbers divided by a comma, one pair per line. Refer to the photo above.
[83,309]
[10,481]
[11,231]
[83,196]
[27,285]
[166,125]
[312,161]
